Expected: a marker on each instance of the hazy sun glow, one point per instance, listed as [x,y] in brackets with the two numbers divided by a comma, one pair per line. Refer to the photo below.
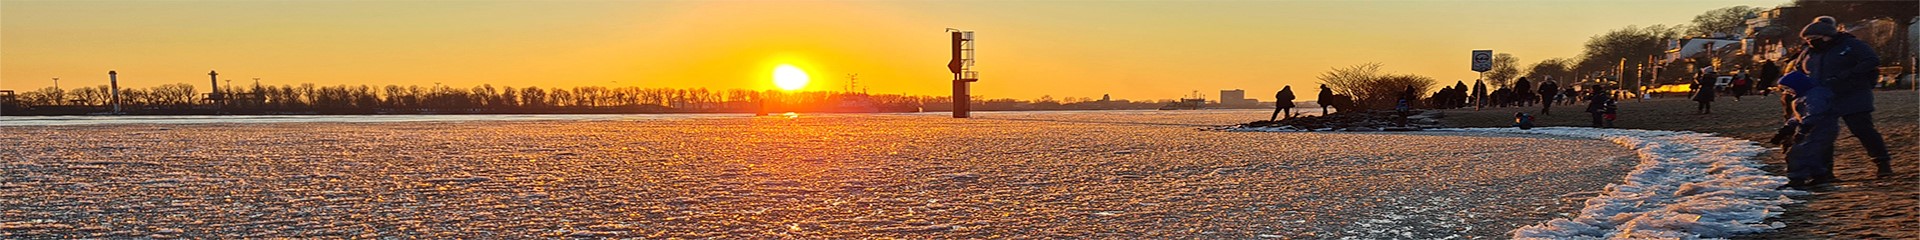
[1138,50]
[789,78]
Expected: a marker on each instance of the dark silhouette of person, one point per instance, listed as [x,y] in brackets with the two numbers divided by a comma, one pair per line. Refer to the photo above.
[1843,69]
[1769,77]
[1459,94]
[1597,105]
[1742,83]
[1479,94]
[1523,92]
[1283,102]
[1326,99]
[1548,90]
[1406,99]
[1704,88]
[1498,98]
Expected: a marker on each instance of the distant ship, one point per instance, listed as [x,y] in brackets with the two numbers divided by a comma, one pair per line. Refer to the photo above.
[856,103]
[1196,103]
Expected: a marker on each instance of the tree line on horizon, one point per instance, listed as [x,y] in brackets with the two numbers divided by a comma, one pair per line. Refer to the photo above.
[308,98]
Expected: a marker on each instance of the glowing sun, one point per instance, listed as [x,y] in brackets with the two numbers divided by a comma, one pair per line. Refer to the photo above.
[789,78]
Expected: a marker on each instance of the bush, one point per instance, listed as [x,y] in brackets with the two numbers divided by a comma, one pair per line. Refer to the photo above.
[1373,90]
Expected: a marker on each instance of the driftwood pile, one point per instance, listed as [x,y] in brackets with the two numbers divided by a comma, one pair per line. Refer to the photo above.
[1354,122]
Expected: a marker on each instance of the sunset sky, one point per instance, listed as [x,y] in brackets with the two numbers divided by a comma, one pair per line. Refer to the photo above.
[1138,50]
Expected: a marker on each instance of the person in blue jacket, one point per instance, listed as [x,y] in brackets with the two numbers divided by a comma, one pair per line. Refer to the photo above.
[1843,70]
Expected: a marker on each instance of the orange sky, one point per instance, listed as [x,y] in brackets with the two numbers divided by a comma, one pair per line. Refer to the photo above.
[1133,50]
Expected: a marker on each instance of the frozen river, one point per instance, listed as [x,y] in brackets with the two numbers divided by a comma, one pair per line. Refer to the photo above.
[1123,174]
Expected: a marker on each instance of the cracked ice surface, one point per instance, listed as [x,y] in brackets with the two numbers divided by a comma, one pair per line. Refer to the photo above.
[1051,175]
[1687,185]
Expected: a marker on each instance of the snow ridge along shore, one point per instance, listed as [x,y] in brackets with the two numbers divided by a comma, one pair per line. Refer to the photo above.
[1686,185]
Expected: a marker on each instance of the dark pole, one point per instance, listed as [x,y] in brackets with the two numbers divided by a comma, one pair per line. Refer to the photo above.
[113,82]
[214,78]
[56,86]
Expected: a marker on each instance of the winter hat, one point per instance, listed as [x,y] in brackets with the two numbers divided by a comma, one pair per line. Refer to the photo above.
[1823,26]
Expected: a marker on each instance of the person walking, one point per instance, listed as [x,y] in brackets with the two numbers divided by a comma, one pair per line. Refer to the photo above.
[1549,91]
[1741,84]
[1843,69]
[1704,89]
[1283,102]
[1325,100]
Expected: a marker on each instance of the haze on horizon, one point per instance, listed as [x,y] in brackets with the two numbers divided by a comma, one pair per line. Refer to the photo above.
[1132,50]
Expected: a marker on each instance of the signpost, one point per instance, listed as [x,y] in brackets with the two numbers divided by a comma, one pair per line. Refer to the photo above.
[1482,62]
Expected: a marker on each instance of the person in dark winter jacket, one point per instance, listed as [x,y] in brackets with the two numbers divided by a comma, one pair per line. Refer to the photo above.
[1522,92]
[1283,102]
[1599,104]
[1326,99]
[1704,89]
[1769,76]
[1843,69]
[1548,92]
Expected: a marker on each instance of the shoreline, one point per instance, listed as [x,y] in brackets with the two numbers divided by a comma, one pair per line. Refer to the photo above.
[1682,184]
[1863,207]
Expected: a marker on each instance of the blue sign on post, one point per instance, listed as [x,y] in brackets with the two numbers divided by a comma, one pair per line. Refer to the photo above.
[1482,60]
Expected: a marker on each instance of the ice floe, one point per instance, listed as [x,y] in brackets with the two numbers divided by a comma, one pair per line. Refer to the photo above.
[1686,185]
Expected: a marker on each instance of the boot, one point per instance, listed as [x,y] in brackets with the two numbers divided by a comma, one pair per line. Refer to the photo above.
[1885,168]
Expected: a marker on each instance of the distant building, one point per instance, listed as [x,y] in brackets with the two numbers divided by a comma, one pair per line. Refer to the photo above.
[7,101]
[1763,39]
[1687,48]
[1236,97]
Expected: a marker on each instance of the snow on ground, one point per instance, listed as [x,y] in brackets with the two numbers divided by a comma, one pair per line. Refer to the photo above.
[1127,175]
[1687,185]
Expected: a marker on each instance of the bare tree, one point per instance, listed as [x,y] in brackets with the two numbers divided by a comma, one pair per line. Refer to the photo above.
[1557,68]
[1372,89]
[1505,68]
[1730,21]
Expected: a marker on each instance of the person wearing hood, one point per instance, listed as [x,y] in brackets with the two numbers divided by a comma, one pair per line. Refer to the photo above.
[1283,102]
[1842,69]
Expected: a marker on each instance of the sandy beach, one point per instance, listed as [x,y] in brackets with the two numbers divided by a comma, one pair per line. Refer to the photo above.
[1863,207]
